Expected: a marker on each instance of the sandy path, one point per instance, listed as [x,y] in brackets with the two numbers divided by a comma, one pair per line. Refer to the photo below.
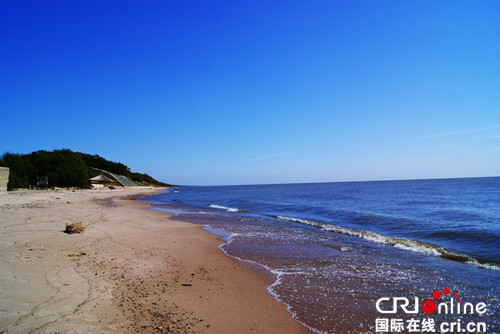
[127,273]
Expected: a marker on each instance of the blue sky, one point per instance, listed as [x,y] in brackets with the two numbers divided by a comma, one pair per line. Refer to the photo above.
[242,92]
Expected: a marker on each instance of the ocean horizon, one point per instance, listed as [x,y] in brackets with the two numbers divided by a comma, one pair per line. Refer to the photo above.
[341,181]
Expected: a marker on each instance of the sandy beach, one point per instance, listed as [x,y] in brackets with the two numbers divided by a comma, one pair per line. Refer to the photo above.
[132,270]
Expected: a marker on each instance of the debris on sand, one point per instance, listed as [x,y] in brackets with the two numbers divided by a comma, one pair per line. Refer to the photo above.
[74,228]
[77,255]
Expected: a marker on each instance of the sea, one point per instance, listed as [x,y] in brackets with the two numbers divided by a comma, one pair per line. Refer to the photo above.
[344,255]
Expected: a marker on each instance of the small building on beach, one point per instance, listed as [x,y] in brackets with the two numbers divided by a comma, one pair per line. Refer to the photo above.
[101,181]
[116,180]
[4,179]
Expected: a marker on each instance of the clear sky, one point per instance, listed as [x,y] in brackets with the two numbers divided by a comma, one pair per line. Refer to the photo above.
[242,92]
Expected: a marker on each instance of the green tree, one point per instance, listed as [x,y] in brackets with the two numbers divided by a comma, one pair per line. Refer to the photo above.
[67,170]
[64,168]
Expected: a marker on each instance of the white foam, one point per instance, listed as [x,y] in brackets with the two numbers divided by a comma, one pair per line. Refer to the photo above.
[302,221]
[278,273]
[418,248]
[228,209]
[484,266]
[400,243]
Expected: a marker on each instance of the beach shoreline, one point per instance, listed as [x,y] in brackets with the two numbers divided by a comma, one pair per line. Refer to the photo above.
[133,270]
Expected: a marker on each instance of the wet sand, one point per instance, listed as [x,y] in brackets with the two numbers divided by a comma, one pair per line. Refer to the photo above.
[133,270]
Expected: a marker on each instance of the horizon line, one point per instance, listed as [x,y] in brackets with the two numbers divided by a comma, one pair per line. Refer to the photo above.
[349,181]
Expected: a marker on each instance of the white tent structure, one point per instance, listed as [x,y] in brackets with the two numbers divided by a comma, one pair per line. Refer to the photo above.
[100,181]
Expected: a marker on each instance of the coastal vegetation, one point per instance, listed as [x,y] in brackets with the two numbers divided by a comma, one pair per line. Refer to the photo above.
[64,168]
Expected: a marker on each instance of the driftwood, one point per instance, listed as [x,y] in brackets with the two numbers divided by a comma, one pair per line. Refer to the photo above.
[74,228]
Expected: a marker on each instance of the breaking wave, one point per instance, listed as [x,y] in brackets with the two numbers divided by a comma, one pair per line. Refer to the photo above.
[228,209]
[401,243]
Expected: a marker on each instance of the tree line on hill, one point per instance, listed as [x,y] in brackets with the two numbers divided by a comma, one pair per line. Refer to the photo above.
[64,168]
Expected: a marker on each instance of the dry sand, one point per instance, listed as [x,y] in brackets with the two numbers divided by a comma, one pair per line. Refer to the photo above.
[125,274]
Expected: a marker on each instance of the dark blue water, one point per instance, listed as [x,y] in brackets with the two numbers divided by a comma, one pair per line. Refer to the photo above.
[338,247]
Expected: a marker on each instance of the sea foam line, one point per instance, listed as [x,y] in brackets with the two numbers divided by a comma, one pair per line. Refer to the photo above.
[228,209]
[276,272]
[401,243]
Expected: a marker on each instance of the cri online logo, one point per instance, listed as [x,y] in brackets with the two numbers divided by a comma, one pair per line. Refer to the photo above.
[452,306]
